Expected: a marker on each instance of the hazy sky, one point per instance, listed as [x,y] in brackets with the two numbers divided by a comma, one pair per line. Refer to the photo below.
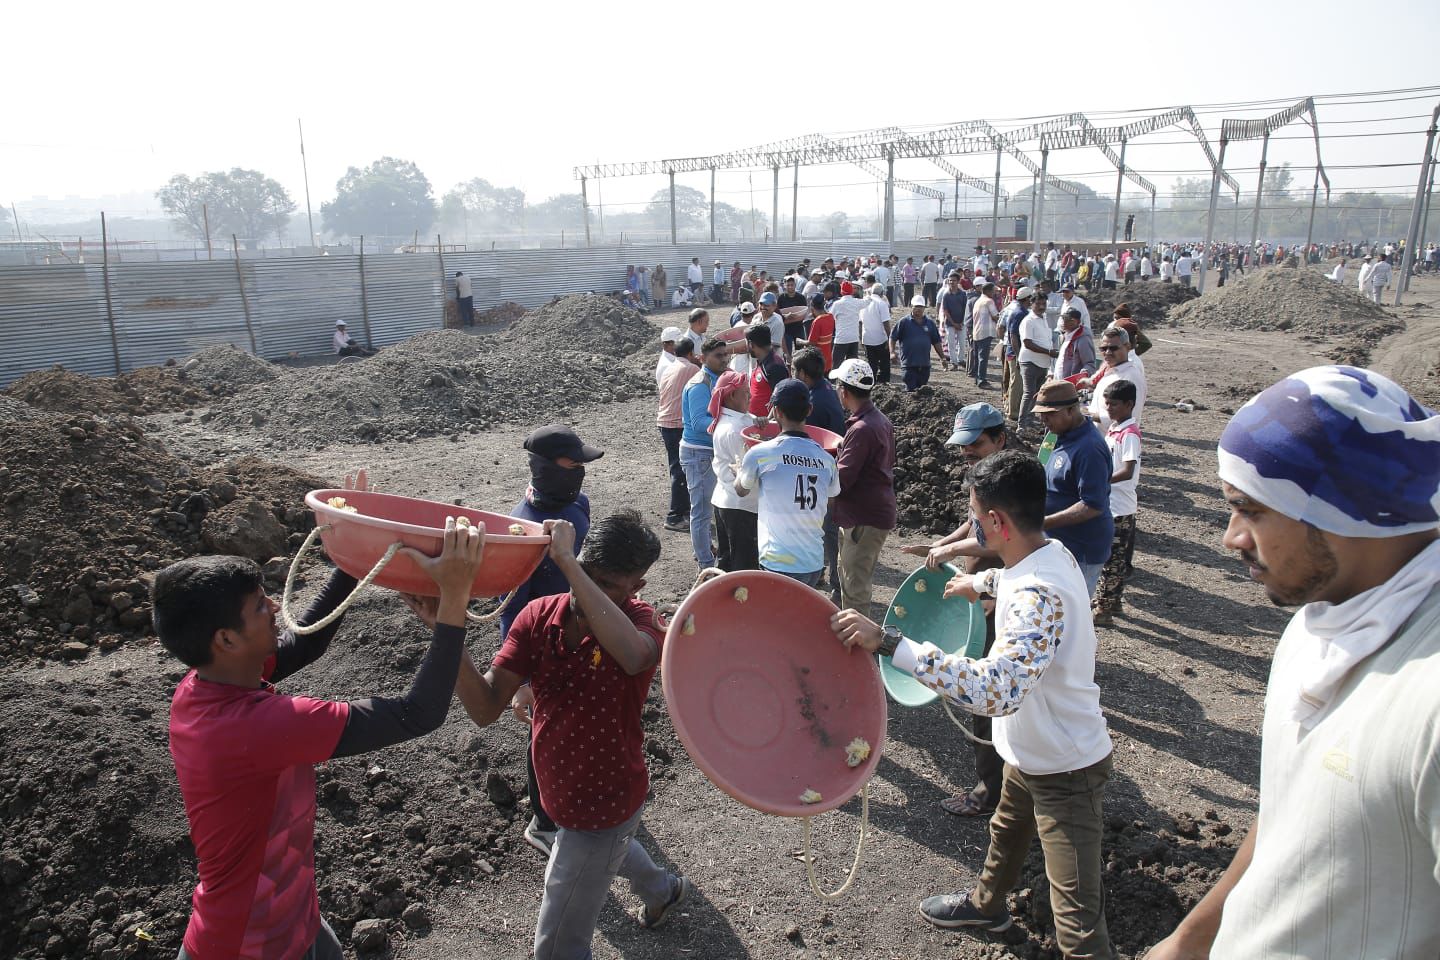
[111,98]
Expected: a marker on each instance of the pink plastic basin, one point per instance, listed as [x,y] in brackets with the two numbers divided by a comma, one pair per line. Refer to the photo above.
[357,541]
[765,698]
[828,440]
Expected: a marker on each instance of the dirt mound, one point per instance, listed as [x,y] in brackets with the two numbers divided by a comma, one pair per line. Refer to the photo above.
[929,476]
[1151,302]
[1301,302]
[587,322]
[226,370]
[13,410]
[1153,877]
[91,507]
[501,313]
[213,372]
[440,382]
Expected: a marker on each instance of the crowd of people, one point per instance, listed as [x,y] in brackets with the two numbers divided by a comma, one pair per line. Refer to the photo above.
[779,459]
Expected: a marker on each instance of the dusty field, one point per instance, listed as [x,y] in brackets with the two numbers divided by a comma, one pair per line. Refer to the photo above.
[94,843]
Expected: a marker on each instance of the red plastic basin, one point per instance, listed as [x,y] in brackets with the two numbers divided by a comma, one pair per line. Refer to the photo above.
[828,440]
[766,699]
[356,541]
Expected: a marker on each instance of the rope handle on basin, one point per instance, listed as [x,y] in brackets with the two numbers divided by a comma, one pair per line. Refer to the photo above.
[339,611]
[953,570]
[859,851]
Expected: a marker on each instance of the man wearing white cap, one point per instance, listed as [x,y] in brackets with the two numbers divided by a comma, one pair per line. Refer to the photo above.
[875,332]
[668,338]
[1333,480]
[345,345]
[865,508]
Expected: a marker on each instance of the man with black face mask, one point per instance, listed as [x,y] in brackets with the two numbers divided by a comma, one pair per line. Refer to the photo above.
[557,472]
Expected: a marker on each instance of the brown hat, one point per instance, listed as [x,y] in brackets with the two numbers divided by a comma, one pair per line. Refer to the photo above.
[1130,327]
[1055,395]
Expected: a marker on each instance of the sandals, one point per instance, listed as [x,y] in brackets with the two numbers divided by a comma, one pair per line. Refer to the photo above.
[966,805]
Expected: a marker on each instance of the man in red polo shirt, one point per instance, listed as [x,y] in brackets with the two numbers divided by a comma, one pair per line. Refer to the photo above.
[589,656]
[768,369]
[245,754]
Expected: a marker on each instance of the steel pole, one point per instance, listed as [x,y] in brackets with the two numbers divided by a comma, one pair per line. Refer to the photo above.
[1034,195]
[890,197]
[712,204]
[1153,238]
[1210,219]
[1310,230]
[775,203]
[1425,217]
[995,204]
[109,301]
[795,201]
[1259,190]
[672,207]
[1040,197]
[1409,258]
[1119,183]
[585,205]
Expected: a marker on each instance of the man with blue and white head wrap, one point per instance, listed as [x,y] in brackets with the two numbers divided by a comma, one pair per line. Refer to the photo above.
[1333,480]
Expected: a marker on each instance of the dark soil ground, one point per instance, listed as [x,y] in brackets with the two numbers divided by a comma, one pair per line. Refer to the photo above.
[425,838]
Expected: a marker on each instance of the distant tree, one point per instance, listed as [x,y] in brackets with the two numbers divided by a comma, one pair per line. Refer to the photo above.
[389,198]
[486,206]
[1190,191]
[1277,182]
[563,211]
[838,223]
[243,202]
[692,208]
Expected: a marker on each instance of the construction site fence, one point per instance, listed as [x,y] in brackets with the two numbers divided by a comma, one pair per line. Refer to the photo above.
[109,318]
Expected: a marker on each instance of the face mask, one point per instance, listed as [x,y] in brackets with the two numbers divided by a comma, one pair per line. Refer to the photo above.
[551,485]
[977,530]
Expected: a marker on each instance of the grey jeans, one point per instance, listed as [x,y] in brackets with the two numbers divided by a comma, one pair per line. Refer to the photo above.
[1031,377]
[577,883]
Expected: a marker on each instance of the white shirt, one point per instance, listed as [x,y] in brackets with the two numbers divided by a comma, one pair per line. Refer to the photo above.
[882,275]
[1112,269]
[1380,275]
[1147,269]
[982,318]
[1037,331]
[1363,281]
[729,451]
[1044,640]
[341,340]
[930,272]
[874,318]
[811,288]
[681,297]
[1077,302]
[1338,274]
[665,362]
[1167,269]
[846,312]
[1129,370]
[1051,258]
[796,479]
[462,286]
[1184,266]
[1124,444]
[694,274]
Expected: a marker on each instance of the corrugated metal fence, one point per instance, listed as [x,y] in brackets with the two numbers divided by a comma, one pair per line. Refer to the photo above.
[283,307]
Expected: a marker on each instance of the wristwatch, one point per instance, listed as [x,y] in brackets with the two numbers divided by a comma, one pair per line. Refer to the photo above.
[890,641]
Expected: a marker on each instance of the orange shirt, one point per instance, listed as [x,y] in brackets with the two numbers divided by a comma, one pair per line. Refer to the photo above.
[822,337]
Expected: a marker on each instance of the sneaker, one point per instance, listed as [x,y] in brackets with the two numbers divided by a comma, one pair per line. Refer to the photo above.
[952,911]
[650,920]
[542,840]
[678,526]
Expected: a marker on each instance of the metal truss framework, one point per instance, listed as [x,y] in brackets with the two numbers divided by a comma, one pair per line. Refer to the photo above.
[891,143]
[1235,130]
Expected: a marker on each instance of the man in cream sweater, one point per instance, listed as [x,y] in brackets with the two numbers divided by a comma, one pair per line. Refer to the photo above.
[1038,682]
[1333,481]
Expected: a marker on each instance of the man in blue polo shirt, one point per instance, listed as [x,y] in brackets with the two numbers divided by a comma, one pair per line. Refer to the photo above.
[796,479]
[1077,480]
[697,448]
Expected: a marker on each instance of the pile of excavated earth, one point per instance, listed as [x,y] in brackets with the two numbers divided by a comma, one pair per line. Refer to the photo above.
[448,382]
[1301,302]
[1151,302]
[92,507]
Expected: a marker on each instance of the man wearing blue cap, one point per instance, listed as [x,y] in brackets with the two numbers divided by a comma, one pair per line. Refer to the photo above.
[771,318]
[979,432]
[1333,480]
[796,479]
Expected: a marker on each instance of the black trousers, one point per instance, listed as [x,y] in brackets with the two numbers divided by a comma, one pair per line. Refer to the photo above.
[679,490]
[844,351]
[930,290]
[909,294]
[737,537]
[989,768]
[879,360]
[467,311]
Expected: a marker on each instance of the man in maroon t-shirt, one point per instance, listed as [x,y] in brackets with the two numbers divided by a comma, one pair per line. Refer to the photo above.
[245,754]
[589,656]
[768,369]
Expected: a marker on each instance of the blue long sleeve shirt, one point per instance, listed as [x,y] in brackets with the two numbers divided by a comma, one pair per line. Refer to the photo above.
[695,408]
[547,580]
